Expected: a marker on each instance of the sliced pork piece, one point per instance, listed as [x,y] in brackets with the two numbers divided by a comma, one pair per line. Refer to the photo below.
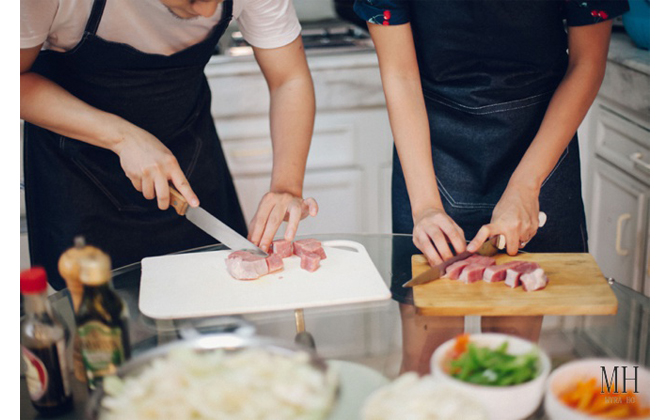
[311,245]
[274,262]
[513,276]
[472,273]
[282,248]
[534,280]
[496,273]
[454,271]
[244,265]
[310,261]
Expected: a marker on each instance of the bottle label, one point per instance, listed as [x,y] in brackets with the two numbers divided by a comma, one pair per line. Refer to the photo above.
[101,349]
[37,375]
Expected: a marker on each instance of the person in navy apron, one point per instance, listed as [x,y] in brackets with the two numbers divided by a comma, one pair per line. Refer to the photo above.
[484,102]
[79,184]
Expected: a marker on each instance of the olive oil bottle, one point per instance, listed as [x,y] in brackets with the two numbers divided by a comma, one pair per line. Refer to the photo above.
[102,321]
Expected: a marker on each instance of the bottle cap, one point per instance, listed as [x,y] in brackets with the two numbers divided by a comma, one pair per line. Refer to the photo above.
[33,280]
[95,269]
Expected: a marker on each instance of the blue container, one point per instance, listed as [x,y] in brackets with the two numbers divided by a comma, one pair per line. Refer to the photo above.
[637,22]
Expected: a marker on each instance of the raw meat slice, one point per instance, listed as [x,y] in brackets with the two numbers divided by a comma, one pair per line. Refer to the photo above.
[310,261]
[283,248]
[309,246]
[275,263]
[496,273]
[454,270]
[513,277]
[244,265]
[472,273]
[534,280]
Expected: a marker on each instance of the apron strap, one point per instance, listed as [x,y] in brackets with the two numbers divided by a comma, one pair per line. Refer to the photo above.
[95,17]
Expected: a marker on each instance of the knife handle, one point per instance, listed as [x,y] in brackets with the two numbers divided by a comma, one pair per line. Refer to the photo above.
[178,202]
[500,240]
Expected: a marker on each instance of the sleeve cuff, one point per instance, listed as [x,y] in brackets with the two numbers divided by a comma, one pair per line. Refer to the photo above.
[380,15]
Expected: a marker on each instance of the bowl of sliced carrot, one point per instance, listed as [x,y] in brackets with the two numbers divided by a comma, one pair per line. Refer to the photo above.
[506,374]
[591,389]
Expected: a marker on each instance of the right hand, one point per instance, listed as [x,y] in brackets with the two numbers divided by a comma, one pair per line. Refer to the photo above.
[433,231]
[150,166]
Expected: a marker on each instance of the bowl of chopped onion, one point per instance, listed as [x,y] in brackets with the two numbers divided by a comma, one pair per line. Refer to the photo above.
[598,388]
[506,374]
[216,376]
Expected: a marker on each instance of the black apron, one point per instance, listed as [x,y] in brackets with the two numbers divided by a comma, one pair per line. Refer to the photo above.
[488,70]
[73,188]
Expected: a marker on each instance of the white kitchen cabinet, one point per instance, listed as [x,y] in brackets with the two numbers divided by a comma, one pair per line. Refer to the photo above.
[349,165]
[615,146]
[620,224]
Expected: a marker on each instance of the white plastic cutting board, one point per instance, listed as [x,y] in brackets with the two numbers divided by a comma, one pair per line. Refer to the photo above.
[198,284]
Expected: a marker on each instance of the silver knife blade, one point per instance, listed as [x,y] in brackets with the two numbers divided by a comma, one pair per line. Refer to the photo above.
[220,231]
[437,271]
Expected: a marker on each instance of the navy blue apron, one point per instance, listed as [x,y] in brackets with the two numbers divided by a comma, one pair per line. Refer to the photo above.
[73,188]
[488,70]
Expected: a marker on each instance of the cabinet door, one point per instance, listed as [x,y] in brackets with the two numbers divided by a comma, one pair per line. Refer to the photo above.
[338,193]
[619,224]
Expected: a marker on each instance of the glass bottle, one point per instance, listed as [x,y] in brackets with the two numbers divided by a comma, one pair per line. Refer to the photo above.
[102,321]
[43,348]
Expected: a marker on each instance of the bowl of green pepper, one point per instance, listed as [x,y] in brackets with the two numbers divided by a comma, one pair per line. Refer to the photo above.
[506,374]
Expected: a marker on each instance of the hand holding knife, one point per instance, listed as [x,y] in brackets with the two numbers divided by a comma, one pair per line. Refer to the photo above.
[489,248]
[211,225]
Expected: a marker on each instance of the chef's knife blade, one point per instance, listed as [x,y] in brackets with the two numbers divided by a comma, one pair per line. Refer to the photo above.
[437,271]
[212,226]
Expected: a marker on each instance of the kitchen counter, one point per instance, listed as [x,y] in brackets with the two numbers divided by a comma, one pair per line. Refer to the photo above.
[624,52]
[376,346]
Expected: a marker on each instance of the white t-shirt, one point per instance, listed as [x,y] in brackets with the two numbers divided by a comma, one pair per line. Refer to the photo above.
[149,26]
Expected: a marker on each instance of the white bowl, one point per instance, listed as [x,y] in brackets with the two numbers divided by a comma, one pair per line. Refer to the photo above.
[512,402]
[568,374]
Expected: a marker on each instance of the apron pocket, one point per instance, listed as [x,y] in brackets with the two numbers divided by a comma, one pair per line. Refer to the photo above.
[103,168]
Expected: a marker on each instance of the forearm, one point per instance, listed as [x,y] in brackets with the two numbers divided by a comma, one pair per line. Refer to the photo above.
[411,134]
[566,110]
[292,109]
[48,105]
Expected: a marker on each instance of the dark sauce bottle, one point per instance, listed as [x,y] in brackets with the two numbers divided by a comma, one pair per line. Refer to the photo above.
[102,321]
[43,348]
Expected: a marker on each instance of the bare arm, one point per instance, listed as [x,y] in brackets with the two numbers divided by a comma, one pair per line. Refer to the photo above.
[145,160]
[292,109]
[515,215]
[433,229]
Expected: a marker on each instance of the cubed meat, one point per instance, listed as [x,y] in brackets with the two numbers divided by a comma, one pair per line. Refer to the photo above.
[454,270]
[534,280]
[311,245]
[282,248]
[513,276]
[472,273]
[310,261]
[496,273]
[244,265]
[274,262]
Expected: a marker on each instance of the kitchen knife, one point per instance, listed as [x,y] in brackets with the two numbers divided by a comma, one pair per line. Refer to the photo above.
[437,271]
[212,226]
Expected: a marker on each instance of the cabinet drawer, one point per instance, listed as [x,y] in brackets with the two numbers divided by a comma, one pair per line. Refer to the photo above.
[248,147]
[619,225]
[623,143]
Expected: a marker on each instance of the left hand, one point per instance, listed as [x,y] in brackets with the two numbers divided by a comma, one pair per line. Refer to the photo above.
[515,217]
[275,208]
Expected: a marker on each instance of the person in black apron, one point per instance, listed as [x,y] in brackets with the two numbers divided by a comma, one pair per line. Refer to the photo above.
[75,188]
[484,122]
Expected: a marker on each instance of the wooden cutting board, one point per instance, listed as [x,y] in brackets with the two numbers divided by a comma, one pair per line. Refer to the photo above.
[576,287]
